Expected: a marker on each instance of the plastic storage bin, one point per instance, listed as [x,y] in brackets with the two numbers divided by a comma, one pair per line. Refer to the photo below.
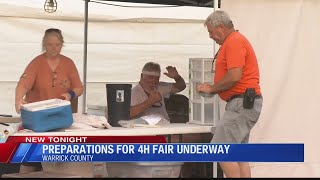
[144,170]
[47,115]
[203,110]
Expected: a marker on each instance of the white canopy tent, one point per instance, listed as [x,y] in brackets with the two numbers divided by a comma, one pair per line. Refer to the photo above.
[118,43]
[86,14]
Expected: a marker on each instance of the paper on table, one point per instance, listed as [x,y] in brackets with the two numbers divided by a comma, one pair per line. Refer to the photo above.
[80,127]
[152,119]
[92,120]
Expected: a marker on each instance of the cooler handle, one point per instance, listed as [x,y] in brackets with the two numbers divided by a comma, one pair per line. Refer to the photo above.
[51,112]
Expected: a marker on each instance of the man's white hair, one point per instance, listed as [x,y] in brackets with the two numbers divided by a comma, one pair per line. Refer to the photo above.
[151,68]
[217,18]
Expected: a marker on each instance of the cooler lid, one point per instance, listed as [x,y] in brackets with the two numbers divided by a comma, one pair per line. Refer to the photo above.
[47,104]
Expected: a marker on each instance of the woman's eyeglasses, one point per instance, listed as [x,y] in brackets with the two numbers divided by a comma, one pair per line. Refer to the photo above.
[54,79]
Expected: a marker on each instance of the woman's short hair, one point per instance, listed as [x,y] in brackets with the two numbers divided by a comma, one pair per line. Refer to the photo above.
[52,31]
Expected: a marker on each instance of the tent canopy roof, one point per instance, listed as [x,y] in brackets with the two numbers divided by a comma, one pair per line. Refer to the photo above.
[200,3]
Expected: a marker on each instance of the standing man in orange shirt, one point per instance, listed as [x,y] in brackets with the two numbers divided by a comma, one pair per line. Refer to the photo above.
[236,81]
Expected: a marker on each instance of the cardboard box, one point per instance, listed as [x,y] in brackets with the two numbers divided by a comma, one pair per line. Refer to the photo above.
[10,119]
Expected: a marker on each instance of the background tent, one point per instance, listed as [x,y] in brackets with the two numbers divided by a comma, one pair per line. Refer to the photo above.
[203,3]
[285,35]
[118,43]
[86,19]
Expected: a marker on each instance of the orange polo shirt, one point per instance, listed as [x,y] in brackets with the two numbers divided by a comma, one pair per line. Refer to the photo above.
[235,52]
[43,83]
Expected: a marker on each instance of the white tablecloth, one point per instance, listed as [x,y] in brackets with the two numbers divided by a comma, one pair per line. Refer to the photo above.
[165,129]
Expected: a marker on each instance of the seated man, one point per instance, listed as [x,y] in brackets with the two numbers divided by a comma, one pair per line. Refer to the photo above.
[147,97]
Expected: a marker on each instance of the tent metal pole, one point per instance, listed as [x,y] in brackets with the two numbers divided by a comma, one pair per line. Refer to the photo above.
[84,95]
[216,105]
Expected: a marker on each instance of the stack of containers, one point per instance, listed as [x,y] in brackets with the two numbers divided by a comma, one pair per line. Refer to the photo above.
[203,110]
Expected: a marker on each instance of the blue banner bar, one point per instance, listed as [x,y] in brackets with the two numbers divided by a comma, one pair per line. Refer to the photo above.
[160,153]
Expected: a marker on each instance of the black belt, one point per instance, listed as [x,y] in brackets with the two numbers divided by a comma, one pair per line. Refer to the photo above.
[241,96]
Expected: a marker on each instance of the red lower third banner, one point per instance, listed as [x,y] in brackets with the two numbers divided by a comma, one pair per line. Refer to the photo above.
[86,139]
[7,150]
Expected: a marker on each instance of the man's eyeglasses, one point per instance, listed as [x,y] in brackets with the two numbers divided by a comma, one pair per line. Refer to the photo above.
[54,79]
[215,57]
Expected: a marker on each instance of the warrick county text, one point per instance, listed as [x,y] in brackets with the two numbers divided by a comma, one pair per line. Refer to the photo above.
[94,152]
